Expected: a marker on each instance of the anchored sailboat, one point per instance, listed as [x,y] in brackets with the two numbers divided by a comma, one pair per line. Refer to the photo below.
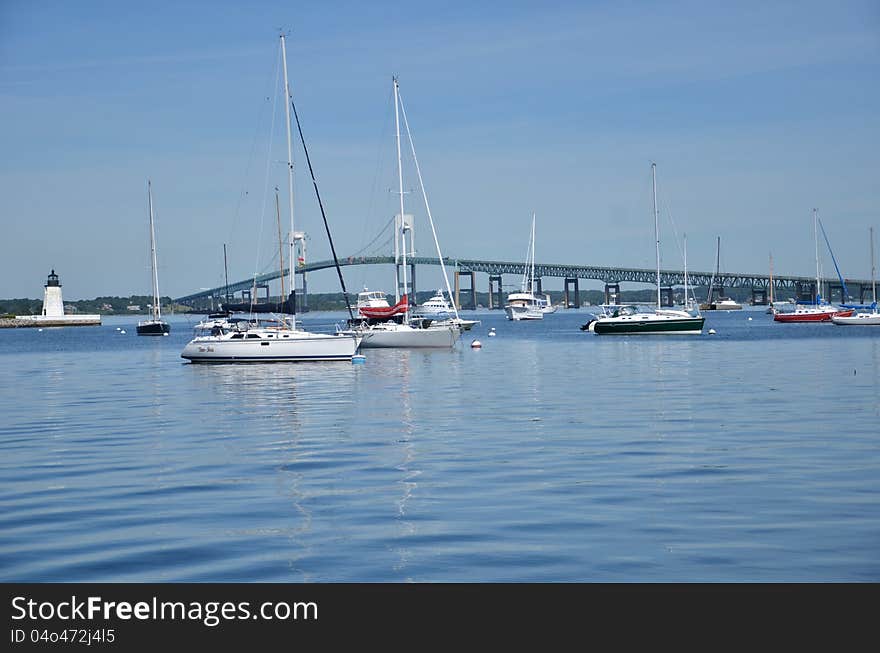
[872,317]
[281,340]
[527,304]
[818,310]
[394,326]
[634,320]
[155,326]
[719,303]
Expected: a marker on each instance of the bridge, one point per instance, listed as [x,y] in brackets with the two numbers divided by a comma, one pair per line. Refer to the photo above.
[759,284]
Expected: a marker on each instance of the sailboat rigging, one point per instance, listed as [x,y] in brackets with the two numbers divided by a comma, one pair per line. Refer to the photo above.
[632,320]
[392,327]
[817,310]
[871,317]
[282,340]
[155,326]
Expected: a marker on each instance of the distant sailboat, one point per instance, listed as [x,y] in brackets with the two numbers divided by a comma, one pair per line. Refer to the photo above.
[630,320]
[720,303]
[155,326]
[526,304]
[818,310]
[871,318]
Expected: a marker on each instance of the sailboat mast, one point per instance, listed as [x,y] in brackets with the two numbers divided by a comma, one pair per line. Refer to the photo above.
[400,182]
[287,98]
[280,244]
[771,279]
[427,207]
[686,302]
[532,271]
[157,311]
[873,280]
[716,271]
[818,297]
[226,272]
[656,226]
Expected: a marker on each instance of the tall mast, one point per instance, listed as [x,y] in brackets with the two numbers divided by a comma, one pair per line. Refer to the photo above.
[818,297]
[686,304]
[287,98]
[873,280]
[280,244]
[226,272]
[157,311]
[532,271]
[427,208]
[400,181]
[656,226]
[715,272]
[771,279]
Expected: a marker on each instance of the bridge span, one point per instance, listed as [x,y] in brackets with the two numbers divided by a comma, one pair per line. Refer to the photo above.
[759,284]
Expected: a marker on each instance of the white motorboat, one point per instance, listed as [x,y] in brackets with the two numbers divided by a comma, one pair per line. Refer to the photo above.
[435,308]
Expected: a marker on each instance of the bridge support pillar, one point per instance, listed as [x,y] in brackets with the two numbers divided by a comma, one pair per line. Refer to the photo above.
[759,296]
[538,289]
[411,281]
[472,289]
[805,291]
[667,296]
[612,293]
[572,301]
[303,294]
[496,299]
[836,288]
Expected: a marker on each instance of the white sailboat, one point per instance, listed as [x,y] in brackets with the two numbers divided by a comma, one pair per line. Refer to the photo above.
[281,340]
[155,326]
[636,320]
[867,318]
[406,331]
[526,304]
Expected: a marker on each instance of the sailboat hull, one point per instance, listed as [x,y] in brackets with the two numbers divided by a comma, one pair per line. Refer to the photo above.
[153,328]
[866,319]
[283,347]
[402,336]
[811,315]
[645,325]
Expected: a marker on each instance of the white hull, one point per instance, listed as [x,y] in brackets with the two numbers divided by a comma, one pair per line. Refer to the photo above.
[517,313]
[857,319]
[283,346]
[403,336]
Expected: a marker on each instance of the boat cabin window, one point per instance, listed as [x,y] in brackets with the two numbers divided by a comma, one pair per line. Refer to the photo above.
[236,336]
[253,336]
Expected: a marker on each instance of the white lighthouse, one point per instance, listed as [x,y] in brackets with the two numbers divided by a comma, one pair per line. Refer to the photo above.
[53,310]
[53,306]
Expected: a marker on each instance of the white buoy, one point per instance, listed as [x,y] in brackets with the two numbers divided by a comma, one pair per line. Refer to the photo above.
[122,331]
[750,319]
[711,332]
[476,344]
[39,329]
[492,333]
[119,328]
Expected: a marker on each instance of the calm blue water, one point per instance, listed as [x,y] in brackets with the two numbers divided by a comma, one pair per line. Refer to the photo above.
[548,455]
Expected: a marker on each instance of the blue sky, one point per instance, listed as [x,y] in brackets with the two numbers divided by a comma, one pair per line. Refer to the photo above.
[754,113]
